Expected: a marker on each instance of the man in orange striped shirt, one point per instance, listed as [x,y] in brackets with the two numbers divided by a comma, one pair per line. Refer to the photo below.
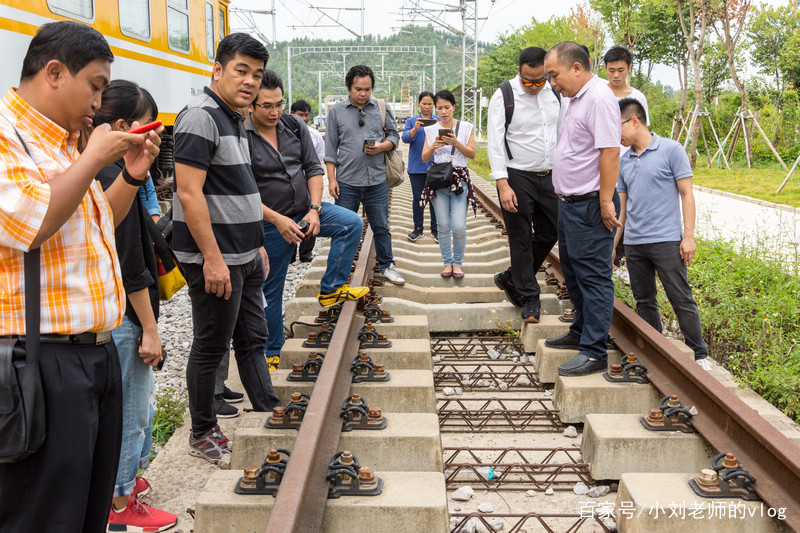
[50,200]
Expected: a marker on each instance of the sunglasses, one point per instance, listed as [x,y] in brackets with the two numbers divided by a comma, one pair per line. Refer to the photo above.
[361,116]
[530,83]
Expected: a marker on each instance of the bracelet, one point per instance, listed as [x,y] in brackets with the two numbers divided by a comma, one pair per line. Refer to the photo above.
[130,180]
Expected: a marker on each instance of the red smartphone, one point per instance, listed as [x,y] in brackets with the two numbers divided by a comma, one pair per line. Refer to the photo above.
[146,127]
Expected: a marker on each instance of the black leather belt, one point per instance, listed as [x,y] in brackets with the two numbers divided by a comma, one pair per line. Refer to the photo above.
[81,338]
[539,173]
[579,197]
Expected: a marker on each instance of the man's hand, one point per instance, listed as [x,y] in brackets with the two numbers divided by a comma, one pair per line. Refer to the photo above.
[265,258]
[333,187]
[139,159]
[150,347]
[508,198]
[312,217]
[688,249]
[107,146]
[289,229]
[218,278]
[377,148]
[609,215]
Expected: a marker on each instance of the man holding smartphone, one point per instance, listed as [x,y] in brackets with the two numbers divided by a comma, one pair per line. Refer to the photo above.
[289,178]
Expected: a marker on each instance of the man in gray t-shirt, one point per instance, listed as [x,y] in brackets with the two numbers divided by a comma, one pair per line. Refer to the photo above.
[655,181]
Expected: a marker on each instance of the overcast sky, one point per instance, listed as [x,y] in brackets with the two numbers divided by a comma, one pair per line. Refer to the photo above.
[383,17]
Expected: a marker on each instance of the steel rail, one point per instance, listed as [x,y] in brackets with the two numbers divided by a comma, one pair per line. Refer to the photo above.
[724,420]
[300,503]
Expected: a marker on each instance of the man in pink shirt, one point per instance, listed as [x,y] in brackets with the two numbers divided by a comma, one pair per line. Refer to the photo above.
[585,171]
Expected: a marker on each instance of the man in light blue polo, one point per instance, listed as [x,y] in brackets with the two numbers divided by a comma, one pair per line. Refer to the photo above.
[585,171]
[655,182]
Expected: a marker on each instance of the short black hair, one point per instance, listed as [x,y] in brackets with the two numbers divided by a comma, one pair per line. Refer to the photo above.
[72,43]
[423,94]
[631,107]
[358,71]
[532,56]
[302,106]
[444,94]
[271,80]
[569,53]
[243,44]
[123,99]
[618,53]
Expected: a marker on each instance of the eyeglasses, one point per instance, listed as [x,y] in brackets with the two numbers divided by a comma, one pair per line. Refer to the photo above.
[271,107]
[624,121]
[530,83]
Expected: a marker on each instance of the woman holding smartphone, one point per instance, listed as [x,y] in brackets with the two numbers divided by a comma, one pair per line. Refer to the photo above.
[450,140]
[137,340]
[414,134]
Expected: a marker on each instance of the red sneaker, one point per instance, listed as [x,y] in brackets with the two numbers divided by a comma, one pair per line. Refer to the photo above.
[141,488]
[140,518]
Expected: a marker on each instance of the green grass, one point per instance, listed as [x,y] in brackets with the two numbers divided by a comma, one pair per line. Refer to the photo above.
[758,183]
[750,312]
[480,164]
[170,407]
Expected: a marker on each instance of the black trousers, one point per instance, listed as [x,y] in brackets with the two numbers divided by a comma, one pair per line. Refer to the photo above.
[532,230]
[66,487]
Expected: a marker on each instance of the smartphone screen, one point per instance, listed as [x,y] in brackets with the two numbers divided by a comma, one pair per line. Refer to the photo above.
[443,132]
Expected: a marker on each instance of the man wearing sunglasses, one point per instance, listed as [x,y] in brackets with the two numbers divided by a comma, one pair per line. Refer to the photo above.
[521,149]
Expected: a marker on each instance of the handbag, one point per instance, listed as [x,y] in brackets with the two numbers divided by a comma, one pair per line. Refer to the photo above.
[440,175]
[22,408]
[395,166]
[170,274]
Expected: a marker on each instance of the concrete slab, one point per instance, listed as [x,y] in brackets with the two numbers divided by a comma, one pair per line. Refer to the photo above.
[411,501]
[427,244]
[665,503]
[410,442]
[403,354]
[408,391]
[549,326]
[548,360]
[576,397]
[615,444]
[403,327]
[461,292]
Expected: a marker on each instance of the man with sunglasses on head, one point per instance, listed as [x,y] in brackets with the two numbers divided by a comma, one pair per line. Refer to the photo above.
[289,177]
[521,148]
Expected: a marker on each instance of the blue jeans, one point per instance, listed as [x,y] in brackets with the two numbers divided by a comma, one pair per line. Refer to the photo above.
[584,247]
[215,321]
[375,200]
[137,407]
[417,183]
[452,209]
[344,227]
[643,261]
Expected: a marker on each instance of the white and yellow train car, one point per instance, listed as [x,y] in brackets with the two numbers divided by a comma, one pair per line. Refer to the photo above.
[166,46]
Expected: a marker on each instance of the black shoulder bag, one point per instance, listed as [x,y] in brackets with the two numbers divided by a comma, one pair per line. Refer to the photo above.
[22,406]
[440,175]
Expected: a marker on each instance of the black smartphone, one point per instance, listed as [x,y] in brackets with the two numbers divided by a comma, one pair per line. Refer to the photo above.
[368,143]
[428,122]
[443,132]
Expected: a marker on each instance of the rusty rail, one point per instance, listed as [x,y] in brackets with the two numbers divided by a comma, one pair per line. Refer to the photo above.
[300,503]
[724,420]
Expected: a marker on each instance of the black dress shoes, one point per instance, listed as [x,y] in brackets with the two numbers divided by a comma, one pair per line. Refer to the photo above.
[582,365]
[567,341]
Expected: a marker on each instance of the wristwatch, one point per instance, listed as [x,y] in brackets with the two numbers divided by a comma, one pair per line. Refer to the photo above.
[130,180]
[317,208]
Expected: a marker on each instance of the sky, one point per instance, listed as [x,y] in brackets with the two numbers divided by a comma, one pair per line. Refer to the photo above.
[382,17]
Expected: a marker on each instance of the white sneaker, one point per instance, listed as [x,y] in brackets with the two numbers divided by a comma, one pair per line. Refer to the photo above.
[391,275]
[704,363]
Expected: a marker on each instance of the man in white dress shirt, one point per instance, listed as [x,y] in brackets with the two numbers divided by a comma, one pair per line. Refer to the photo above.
[521,158]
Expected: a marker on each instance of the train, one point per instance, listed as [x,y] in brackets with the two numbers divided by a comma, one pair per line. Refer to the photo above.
[166,46]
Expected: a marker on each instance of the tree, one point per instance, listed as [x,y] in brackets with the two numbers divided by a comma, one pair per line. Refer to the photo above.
[714,69]
[695,17]
[775,45]
[587,27]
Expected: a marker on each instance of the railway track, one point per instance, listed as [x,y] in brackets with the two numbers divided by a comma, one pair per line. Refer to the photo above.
[500,423]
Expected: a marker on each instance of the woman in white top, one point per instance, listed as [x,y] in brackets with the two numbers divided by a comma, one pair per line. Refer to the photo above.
[450,203]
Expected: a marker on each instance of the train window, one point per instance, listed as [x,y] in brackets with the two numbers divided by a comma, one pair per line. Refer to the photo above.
[134,18]
[210,31]
[77,9]
[178,25]
[221,24]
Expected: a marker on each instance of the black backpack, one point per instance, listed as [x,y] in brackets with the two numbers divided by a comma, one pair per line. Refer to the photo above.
[292,124]
[508,103]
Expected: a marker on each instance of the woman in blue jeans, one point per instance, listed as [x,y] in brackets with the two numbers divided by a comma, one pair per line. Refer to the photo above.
[137,339]
[450,203]
[414,134]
